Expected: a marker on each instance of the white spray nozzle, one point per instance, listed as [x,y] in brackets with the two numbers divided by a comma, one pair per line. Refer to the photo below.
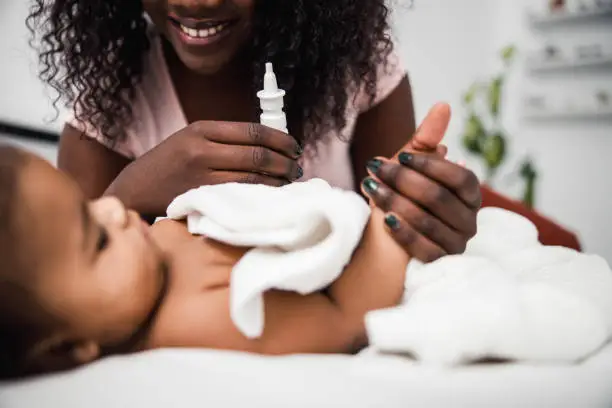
[270,84]
[271,102]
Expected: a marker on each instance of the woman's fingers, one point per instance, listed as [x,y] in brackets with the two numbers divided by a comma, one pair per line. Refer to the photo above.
[454,177]
[414,243]
[442,150]
[421,231]
[248,134]
[222,176]
[254,159]
[427,193]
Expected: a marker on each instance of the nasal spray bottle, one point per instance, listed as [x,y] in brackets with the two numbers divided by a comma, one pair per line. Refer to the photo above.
[271,102]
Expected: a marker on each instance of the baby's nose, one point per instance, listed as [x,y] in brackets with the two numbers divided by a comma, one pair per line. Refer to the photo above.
[110,210]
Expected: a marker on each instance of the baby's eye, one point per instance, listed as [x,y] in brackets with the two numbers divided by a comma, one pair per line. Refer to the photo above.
[103,239]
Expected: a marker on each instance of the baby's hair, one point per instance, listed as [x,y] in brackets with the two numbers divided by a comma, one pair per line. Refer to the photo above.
[22,320]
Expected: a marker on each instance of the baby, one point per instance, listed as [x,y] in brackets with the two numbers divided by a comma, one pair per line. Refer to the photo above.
[83,280]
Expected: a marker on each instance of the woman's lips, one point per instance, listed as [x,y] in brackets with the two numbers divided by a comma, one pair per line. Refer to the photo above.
[201,32]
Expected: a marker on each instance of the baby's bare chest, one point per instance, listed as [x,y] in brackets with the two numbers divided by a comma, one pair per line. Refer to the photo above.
[196,262]
[202,264]
[198,268]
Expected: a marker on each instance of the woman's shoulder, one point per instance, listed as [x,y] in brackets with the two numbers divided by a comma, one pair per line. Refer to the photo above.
[390,71]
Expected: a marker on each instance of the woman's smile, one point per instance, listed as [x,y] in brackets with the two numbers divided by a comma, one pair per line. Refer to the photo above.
[201,33]
[206,36]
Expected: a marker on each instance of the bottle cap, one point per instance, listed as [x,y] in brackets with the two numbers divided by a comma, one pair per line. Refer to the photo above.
[271,102]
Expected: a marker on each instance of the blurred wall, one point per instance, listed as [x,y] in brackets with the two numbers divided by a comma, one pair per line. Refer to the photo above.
[22,98]
[447,44]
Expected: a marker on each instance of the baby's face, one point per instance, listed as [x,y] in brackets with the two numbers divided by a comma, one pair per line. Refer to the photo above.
[97,268]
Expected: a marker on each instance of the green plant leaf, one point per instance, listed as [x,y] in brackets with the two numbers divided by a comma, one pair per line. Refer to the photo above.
[495,90]
[474,134]
[508,53]
[470,95]
[494,150]
[529,175]
[528,171]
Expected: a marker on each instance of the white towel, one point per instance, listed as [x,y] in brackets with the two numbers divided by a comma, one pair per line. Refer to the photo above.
[507,297]
[302,235]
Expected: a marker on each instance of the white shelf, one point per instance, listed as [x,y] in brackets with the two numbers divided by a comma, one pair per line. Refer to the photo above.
[538,65]
[558,17]
[568,114]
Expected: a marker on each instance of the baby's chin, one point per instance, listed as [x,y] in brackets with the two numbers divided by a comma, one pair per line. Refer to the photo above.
[155,248]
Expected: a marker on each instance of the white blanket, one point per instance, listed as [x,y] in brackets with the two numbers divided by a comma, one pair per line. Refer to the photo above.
[209,378]
[506,297]
[303,235]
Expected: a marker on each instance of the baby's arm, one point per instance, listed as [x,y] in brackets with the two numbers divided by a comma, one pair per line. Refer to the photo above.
[316,323]
[375,277]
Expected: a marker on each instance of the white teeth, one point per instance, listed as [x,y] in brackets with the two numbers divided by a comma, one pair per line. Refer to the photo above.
[205,33]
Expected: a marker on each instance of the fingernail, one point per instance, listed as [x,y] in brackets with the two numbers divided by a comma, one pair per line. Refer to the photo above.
[300,172]
[299,150]
[373,165]
[392,222]
[370,185]
[404,158]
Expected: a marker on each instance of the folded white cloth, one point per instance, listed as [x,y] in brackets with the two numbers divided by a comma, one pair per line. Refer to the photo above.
[302,235]
[507,297]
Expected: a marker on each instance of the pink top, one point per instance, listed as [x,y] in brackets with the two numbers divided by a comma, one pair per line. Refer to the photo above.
[158,114]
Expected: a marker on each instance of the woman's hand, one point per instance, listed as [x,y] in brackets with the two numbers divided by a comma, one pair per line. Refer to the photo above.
[431,202]
[207,153]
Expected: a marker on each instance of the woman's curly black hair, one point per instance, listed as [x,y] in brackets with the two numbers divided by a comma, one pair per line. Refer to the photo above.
[91,53]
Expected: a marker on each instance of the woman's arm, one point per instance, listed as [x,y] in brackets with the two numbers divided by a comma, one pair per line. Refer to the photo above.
[92,165]
[202,153]
[383,130]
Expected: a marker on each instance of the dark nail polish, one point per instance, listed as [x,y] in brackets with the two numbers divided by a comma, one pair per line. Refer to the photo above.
[298,150]
[370,185]
[300,172]
[405,158]
[392,222]
[374,165]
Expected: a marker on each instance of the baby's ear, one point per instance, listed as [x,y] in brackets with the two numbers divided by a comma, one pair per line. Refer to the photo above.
[60,353]
[85,352]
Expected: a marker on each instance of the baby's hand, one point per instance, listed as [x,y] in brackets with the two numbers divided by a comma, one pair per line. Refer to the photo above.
[428,137]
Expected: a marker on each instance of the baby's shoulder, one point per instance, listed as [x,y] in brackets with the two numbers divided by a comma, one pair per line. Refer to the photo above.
[168,230]
[174,237]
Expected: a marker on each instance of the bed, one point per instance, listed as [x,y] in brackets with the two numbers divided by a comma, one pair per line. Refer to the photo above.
[201,378]
[208,378]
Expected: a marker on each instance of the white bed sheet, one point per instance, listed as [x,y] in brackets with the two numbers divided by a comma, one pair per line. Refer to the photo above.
[196,378]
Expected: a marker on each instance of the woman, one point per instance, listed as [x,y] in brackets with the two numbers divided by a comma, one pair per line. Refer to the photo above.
[164,90]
